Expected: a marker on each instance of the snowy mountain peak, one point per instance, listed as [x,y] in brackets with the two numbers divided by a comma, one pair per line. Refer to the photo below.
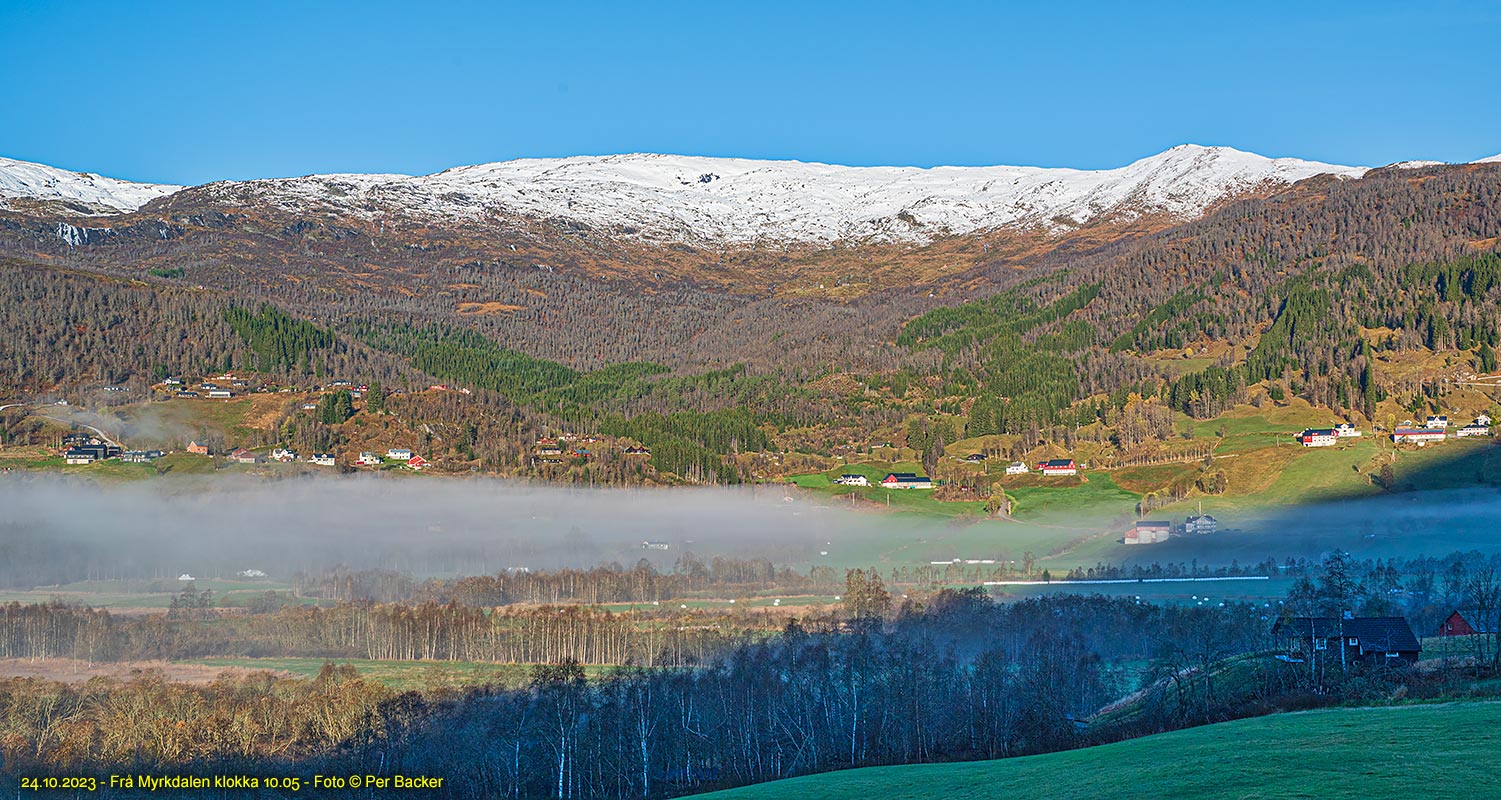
[707,200]
[23,180]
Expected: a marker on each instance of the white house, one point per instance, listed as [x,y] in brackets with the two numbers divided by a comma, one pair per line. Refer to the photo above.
[399,454]
[368,459]
[1201,524]
[1016,468]
[1473,429]
[848,479]
[1419,436]
[323,459]
[1346,430]
[1483,419]
[1438,421]
[283,454]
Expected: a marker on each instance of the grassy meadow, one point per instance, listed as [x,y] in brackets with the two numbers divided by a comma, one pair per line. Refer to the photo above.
[1414,751]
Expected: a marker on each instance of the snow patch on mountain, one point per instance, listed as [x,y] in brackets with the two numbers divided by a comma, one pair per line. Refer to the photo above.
[22,180]
[1495,159]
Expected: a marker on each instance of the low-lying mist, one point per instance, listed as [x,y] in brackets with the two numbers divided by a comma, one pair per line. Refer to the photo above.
[56,530]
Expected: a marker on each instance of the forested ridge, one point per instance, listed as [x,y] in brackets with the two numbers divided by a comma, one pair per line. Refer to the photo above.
[1300,294]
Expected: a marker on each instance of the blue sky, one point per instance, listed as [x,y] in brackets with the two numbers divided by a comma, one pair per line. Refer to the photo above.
[191,92]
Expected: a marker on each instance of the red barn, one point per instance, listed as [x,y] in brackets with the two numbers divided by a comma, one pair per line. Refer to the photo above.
[1468,622]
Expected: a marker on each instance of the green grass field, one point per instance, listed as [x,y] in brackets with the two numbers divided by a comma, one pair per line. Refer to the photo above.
[1404,751]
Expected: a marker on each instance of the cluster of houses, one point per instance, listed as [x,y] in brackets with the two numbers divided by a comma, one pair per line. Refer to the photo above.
[401,455]
[1327,437]
[893,480]
[1147,531]
[285,455]
[228,386]
[1436,429]
[911,480]
[551,450]
[86,448]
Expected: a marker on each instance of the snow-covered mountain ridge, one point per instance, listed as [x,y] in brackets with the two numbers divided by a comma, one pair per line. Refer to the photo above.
[23,180]
[733,201]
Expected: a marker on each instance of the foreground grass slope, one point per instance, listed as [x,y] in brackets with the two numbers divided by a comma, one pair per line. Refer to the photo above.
[1417,751]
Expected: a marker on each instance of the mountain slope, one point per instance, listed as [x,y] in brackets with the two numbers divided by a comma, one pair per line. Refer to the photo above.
[82,192]
[728,201]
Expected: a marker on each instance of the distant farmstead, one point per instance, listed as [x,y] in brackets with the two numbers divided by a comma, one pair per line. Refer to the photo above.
[850,479]
[1199,525]
[1418,436]
[907,480]
[1149,532]
[1059,466]
[1318,437]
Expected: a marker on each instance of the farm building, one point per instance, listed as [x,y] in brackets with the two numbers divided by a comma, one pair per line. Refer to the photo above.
[1318,437]
[1345,430]
[77,455]
[244,456]
[197,449]
[850,479]
[1149,532]
[1200,524]
[1473,429]
[975,458]
[140,456]
[1469,622]
[417,463]
[1418,436]
[907,480]
[1374,641]
[187,395]
[637,451]
[220,394]
[1016,468]
[1059,466]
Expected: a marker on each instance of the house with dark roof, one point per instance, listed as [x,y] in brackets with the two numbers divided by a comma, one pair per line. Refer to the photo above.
[1059,466]
[1349,640]
[907,480]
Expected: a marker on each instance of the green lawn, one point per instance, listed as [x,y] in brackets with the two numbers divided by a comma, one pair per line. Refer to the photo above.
[1405,751]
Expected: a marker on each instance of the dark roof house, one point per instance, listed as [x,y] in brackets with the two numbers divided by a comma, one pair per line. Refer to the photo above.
[1369,640]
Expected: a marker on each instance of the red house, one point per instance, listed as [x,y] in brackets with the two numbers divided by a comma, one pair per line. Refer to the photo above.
[417,462]
[1059,466]
[1468,622]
